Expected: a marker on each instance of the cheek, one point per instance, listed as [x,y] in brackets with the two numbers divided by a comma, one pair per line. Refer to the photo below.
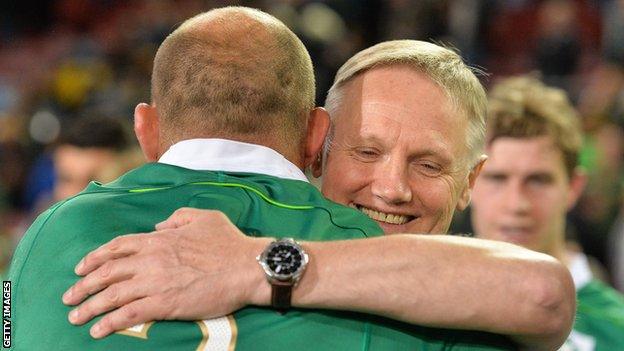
[486,204]
[437,198]
[485,211]
[488,200]
[435,194]
[442,202]
[342,179]
[548,206]
[483,222]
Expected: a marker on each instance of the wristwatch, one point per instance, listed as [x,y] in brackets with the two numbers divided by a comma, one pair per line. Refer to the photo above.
[284,262]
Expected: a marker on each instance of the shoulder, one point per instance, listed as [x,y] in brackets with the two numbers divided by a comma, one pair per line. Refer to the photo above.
[599,303]
[303,199]
[598,293]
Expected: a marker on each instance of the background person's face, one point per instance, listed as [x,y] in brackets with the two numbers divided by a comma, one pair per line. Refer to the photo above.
[75,167]
[523,194]
[397,151]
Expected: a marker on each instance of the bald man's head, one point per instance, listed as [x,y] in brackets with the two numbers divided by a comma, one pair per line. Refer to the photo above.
[233,73]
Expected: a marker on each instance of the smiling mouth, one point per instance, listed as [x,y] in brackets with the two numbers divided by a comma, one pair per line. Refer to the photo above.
[384,217]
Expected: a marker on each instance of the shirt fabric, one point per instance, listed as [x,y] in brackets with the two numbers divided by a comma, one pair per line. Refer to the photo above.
[599,323]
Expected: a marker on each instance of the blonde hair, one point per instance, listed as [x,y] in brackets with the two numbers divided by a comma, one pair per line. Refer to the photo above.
[443,66]
[523,107]
[234,71]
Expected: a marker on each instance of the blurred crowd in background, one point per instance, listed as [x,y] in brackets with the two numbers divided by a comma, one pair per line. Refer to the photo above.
[71,72]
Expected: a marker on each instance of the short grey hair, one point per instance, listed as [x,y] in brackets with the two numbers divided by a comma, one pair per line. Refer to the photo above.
[444,66]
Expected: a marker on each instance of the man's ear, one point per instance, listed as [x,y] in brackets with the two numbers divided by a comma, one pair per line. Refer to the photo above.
[316,167]
[146,128]
[578,181]
[464,197]
[318,126]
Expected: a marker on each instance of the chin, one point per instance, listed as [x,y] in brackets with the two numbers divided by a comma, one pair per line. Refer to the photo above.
[520,240]
[390,229]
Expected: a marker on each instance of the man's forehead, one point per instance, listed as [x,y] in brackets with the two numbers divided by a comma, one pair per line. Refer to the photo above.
[388,120]
[409,112]
[397,92]
[387,125]
[536,144]
[533,154]
[393,84]
[389,110]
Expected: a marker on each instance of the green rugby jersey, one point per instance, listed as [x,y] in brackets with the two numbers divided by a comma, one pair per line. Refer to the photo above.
[599,323]
[42,267]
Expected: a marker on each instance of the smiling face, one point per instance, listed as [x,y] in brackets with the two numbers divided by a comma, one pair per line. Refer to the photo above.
[523,194]
[399,152]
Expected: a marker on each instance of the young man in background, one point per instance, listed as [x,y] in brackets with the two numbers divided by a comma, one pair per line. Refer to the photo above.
[529,183]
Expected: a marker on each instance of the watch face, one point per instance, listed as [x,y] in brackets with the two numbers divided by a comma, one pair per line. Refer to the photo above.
[284,259]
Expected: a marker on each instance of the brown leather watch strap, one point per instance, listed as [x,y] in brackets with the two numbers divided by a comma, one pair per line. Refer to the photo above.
[280,295]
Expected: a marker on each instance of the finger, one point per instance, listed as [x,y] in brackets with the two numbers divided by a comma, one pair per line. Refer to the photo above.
[119,247]
[112,297]
[180,217]
[109,273]
[139,311]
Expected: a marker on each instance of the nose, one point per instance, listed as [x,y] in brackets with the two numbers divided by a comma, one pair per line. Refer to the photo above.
[516,200]
[391,182]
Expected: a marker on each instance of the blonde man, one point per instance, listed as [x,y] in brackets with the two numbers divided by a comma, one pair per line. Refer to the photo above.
[405,150]
[529,183]
[450,150]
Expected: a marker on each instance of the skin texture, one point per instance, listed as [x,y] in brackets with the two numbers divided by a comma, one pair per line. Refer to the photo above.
[403,158]
[524,193]
[542,303]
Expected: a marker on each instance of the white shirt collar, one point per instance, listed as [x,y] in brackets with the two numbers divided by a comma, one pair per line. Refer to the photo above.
[230,156]
[579,268]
